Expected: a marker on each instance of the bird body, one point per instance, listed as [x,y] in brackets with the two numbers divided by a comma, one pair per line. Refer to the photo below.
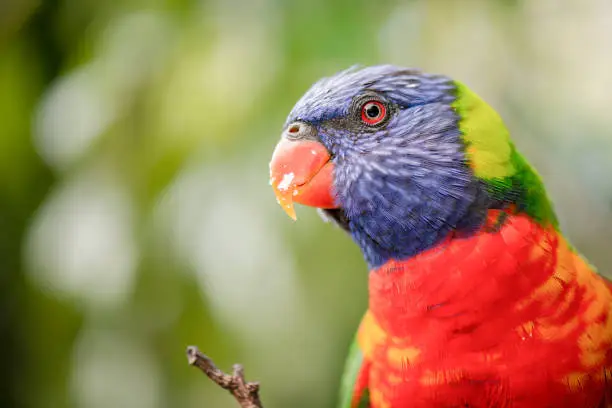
[475,297]
[521,321]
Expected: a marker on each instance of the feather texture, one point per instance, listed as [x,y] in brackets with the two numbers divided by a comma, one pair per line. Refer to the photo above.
[507,318]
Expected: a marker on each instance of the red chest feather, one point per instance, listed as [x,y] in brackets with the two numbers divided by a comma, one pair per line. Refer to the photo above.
[511,318]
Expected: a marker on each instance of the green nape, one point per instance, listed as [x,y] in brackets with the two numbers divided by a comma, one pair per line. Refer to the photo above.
[525,189]
[494,159]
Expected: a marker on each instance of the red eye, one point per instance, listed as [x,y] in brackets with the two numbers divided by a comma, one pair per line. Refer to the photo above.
[373,112]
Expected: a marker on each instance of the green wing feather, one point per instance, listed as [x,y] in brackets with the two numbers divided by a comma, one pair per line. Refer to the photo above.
[352,368]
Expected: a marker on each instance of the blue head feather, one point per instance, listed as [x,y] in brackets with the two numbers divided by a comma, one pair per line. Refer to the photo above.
[404,186]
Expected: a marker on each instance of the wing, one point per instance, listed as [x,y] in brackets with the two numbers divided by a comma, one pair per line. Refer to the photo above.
[353,389]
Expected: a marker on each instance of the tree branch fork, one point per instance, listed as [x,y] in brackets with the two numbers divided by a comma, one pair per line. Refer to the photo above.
[245,393]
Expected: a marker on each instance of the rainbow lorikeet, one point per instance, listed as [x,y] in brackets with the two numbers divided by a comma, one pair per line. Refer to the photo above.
[475,297]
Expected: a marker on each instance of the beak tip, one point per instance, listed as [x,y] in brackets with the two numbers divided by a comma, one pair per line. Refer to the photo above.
[290,211]
[284,198]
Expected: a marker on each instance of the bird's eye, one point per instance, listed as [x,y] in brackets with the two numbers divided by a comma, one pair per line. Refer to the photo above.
[373,112]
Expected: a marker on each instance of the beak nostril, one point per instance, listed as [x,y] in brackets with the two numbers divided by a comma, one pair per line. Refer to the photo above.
[294,129]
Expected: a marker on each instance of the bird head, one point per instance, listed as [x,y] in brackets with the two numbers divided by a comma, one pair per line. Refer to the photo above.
[399,159]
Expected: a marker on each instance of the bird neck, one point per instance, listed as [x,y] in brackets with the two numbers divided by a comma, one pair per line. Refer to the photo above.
[457,207]
[463,282]
[409,221]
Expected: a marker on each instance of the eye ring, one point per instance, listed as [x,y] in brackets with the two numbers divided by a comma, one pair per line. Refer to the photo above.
[373,112]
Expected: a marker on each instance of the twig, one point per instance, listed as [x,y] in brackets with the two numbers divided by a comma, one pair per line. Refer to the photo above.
[246,393]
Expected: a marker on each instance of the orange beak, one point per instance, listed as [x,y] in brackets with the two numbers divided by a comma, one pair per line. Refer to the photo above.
[301,172]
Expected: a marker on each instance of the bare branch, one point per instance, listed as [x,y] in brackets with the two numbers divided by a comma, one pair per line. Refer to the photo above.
[246,393]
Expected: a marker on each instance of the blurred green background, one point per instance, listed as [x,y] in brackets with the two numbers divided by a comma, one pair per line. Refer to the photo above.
[135,212]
